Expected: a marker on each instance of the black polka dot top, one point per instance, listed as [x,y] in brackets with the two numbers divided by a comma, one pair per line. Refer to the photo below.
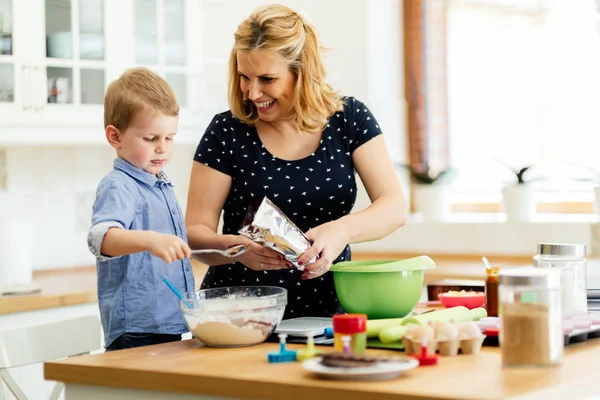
[310,191]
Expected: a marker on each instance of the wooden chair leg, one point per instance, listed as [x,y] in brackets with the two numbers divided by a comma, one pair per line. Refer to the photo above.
[12,385]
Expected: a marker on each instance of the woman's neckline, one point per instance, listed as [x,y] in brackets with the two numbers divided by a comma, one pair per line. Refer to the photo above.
[314,152]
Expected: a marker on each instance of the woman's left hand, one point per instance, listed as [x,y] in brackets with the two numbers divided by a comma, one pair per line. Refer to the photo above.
[329,240]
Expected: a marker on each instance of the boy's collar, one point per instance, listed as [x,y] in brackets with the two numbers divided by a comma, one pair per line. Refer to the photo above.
[139,174]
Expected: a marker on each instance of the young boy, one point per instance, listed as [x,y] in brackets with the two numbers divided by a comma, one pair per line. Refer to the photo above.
[138,234]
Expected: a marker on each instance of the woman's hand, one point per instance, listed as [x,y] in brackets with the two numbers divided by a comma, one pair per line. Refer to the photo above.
[329,240]
[256,256]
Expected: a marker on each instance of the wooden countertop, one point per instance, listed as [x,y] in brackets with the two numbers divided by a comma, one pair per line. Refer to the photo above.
[63,287]
[188,367]
[78,285]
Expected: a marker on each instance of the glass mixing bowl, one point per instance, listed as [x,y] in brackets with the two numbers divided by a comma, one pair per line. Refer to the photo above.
[234,316]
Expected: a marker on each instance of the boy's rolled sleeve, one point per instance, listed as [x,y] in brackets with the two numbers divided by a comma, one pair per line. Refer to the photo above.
[96,236]
[114,208]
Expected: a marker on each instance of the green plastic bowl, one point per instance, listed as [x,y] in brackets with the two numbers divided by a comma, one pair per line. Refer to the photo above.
[380,289]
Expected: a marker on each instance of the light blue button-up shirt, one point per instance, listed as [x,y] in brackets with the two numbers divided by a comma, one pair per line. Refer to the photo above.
[131,292]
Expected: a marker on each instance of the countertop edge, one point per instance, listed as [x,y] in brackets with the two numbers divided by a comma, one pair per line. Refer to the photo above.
[40,302]
[212,385]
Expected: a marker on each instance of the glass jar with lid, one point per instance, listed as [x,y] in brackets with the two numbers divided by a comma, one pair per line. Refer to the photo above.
[531,332]
[570,260]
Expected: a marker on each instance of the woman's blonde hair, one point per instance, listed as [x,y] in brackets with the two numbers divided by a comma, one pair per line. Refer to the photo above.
[281,29]
[138,89]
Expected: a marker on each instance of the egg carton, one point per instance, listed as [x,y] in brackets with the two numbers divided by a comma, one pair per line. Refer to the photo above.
[446,347]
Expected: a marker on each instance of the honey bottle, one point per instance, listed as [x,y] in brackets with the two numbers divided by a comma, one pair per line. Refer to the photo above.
[491,291]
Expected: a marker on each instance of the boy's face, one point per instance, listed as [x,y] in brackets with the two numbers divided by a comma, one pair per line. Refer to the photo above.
[148,141]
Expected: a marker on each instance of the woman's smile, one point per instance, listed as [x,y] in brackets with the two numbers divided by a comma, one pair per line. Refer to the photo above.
[265,106]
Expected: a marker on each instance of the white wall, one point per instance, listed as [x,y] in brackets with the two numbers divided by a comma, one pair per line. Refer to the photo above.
[56,186]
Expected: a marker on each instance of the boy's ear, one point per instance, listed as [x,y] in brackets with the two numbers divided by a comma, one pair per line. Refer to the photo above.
[113,136]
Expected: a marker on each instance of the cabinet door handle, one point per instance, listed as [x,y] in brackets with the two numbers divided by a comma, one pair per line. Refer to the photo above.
[39,79]
[25,86]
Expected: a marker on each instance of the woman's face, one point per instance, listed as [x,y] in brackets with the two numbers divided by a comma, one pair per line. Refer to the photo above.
[267,82]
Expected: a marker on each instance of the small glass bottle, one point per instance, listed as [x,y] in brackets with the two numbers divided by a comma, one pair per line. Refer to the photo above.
[531,330]
[491,291]
[570,260]
[353,326]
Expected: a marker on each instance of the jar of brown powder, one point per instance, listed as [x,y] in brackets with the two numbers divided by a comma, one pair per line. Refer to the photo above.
[531,332]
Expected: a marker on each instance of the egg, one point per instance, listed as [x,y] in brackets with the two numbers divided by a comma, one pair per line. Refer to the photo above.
[445,331]
[421,333]
[469,330]
[410,330]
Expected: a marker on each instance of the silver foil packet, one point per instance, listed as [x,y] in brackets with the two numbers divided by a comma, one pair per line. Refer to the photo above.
[273,229]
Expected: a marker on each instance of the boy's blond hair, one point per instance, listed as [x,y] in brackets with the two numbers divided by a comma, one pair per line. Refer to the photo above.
[138,89]
[279,28]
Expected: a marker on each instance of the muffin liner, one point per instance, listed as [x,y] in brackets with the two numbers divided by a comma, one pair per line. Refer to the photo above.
[448,347]
[471,346]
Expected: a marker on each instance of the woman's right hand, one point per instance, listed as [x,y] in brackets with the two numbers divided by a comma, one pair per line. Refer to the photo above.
[257,257]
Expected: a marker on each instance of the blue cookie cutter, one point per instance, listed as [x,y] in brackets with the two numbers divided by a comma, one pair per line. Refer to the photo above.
[283,355]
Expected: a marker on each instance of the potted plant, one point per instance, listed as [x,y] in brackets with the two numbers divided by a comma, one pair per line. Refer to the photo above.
[432,196]
[519,201]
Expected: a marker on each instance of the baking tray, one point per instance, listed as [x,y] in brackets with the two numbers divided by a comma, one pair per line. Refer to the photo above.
[491,339]
[576,336]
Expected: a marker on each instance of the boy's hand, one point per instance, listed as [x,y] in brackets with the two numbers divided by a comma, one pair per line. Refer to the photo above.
[168,247]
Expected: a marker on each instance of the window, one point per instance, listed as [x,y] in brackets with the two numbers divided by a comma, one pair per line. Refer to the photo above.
[523,88]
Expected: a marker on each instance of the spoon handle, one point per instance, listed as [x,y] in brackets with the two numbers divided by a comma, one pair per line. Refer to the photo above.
[204,251]
[230,252]
[177,293]
[486,262]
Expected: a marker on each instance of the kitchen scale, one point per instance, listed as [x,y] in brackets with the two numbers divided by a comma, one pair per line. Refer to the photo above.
[299,329]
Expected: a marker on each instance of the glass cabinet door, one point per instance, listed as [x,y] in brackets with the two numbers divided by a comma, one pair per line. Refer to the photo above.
[7,63]
[92,48]
[146,46]
[75,51]
[174,45]
[160,41]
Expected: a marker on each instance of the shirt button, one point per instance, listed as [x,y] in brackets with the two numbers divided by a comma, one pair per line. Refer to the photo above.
[187,268]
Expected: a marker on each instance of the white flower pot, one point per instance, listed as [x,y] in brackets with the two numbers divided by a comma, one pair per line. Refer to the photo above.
[519,203]
[434,202]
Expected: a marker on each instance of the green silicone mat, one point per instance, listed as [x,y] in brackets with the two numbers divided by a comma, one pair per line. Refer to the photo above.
[374,343]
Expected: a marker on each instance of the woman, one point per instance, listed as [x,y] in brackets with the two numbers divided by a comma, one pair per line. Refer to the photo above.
[290,137]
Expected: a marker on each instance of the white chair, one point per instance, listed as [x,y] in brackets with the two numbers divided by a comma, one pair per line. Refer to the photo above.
[40,343]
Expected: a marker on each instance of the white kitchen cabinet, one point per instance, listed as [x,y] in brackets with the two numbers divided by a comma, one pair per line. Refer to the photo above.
[11,80]
[64,53]
[165,37]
